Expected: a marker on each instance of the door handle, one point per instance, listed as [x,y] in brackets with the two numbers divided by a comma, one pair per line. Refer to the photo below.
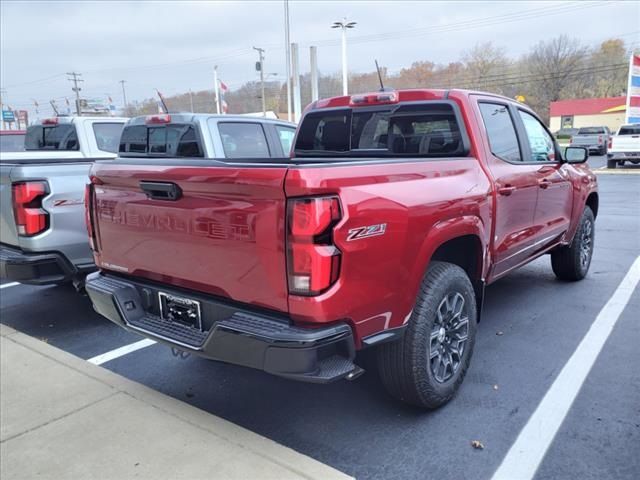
[506,190]
[544,183]
[161,190]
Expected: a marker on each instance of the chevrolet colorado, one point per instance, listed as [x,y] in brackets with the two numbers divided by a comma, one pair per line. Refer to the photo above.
[43,238]
[382,228]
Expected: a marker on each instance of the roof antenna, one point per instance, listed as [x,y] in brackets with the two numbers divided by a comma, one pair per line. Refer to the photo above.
[379,76]
[164,105]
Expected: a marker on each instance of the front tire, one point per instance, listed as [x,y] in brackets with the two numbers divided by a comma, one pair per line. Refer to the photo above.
[426,367]
[571,263]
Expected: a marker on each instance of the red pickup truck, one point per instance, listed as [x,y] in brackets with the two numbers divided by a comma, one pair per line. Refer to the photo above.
[393,212]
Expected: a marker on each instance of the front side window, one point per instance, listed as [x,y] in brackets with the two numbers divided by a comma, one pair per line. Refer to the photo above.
[243,140]
[501,132]
[108,136]
[540,142]
[55,137]
[285,134]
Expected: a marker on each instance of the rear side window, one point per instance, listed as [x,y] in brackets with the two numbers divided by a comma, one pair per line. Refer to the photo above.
[243,140]
[11,143]
[108,136]
[174,140]
[407,130]
[629,130]
[591,131]
[285,134]
[501,132]
[55,137]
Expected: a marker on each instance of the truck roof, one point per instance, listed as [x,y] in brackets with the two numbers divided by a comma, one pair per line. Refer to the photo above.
[66,119]
[203,117]
[396,96]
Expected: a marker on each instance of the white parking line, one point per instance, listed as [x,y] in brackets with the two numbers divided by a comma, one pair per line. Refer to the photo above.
[529,449]
[120,352]
[8,285]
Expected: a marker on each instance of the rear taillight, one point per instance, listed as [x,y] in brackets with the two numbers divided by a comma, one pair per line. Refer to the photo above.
[610,142]
[313,261]
[31,218]
[88,216]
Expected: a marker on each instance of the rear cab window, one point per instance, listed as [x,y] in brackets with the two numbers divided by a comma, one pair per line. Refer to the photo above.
[170,140]
[592,131]
[421,129]
[52,137]
[629,130]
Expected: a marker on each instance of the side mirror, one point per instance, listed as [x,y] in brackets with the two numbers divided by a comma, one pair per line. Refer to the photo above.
[576,154]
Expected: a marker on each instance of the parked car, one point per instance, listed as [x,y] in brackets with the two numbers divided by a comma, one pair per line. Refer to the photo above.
[595,139]
[381,231]
[12,140]
[624,146]
[43,236]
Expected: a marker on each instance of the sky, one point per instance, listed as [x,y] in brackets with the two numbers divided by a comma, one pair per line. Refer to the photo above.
[174,45]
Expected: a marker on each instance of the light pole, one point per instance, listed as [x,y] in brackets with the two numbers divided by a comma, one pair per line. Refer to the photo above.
[344,25]
[261,62]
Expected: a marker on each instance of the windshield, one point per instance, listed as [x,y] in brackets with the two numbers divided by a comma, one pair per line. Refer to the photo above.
[629,130]
[174,140]
[429,130]
[12,143]
[591,131]
[54,137]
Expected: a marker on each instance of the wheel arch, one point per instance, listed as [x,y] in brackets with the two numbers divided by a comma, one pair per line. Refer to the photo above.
[462,241]
[593,202]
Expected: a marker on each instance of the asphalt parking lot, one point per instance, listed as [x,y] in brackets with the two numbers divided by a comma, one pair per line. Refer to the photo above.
[531,326]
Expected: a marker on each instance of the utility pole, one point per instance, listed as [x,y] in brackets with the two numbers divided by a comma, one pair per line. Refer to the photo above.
[287,48]
[124,94]
[344,25]
[261,62]
[75,78]
[191,99]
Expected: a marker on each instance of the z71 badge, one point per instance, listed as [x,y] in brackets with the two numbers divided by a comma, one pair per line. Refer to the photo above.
[366,232]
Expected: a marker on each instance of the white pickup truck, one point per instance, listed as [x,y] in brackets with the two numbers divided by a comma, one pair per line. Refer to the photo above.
[624,146]
[43,238]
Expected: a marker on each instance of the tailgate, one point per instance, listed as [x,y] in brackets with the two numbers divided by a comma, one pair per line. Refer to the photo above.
[224,235]
[8,232]
[626,143]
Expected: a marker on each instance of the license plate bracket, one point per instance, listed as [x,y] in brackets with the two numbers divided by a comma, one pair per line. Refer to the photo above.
[182,310]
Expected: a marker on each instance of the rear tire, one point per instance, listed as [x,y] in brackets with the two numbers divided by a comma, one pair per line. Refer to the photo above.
[612,163]
[426,367]
[571,263]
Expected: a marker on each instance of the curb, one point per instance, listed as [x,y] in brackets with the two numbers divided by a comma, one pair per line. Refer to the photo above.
[237,437]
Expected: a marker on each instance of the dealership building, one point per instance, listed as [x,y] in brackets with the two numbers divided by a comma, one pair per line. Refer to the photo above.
[587,112]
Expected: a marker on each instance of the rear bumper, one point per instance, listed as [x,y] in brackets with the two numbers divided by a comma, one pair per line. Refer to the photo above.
[229,333]
[34,268]
[630,156]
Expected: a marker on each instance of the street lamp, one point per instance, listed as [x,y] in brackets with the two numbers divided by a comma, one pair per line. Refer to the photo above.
[344,25]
